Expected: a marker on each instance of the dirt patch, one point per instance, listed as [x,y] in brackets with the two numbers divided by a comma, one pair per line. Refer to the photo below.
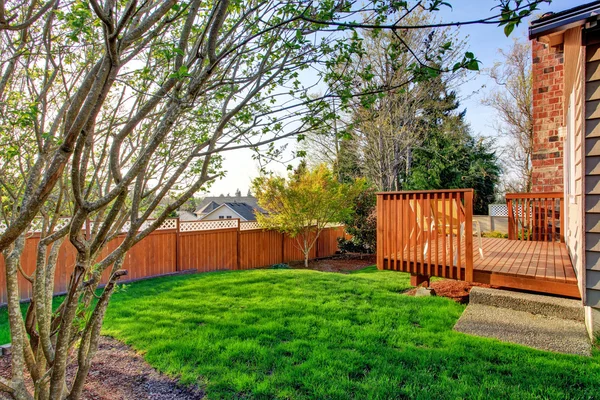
[455,290]
[119,373]
[339,263]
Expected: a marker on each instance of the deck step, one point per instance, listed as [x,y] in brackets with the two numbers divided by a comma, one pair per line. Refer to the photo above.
[549,306]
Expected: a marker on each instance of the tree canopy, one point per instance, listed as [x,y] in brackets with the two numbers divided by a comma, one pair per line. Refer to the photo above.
[305,203]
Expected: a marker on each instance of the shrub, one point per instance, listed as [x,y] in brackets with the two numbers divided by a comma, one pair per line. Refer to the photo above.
[361,225]
[494,234]
[280,266]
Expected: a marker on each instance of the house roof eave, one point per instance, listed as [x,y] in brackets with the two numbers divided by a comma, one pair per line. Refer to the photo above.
[561,21]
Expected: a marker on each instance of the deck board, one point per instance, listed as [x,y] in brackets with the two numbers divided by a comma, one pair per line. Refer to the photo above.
[548,261]
[544,260]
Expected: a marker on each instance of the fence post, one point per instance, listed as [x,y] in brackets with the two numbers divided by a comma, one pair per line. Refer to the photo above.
[177,261]
[379,240]
[282,246]
[319,242]
[238,261]
[469,236]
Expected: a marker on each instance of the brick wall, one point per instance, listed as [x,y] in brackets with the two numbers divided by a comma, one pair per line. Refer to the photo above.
[548,85]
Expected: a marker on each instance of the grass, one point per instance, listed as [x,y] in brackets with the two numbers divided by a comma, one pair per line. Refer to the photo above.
[297,334]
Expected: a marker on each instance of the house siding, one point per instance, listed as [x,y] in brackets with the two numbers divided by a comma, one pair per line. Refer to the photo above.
[224,212]
[591,113]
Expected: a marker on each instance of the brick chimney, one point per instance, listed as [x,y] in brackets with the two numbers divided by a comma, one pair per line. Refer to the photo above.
[548,85]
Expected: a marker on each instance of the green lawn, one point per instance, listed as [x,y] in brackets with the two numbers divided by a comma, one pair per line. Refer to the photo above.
[310,335]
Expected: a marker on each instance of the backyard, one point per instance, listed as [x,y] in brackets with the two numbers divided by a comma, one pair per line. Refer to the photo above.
[298,334]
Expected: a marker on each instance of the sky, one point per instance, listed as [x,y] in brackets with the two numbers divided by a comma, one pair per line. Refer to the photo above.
[483,40]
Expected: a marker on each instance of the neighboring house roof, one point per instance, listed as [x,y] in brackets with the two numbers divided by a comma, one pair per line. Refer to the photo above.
[187,216]
[242,211]
[207,208]
[218,200]
[567,19]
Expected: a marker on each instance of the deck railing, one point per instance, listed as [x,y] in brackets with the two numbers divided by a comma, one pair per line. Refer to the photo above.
[536,216]
[428,233]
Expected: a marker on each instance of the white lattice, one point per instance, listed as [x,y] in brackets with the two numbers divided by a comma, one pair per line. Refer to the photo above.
[498,210]
[36,225]
[168,224]
[249,225]
[501,210]
[190,226]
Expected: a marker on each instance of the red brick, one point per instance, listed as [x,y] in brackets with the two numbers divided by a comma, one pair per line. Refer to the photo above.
[548,84]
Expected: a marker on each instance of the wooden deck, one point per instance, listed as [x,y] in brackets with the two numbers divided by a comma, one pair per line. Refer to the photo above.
[543,267]
[536,266]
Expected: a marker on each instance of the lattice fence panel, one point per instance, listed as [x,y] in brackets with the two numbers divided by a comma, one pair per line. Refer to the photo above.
[498,210]
[249,225]
[501,210]
[168,224]
[191,226]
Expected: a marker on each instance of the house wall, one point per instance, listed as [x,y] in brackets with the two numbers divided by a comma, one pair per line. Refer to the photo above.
[548,85]
[222,212]
[574,88]
[561,74]
[592,181]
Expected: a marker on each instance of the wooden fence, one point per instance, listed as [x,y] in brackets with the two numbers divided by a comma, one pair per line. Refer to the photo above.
[185,246]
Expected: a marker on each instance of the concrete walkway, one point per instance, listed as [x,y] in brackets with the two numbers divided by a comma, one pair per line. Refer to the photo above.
[541,322]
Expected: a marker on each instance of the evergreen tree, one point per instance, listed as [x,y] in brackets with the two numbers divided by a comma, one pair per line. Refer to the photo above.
[451,158]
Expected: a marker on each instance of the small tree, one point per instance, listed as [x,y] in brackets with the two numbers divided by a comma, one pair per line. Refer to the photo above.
[305,203]
[361,224]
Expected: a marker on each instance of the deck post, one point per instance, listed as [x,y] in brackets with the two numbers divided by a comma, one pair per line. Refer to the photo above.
[561,218]
[511,219]
[416,280]
[469,236]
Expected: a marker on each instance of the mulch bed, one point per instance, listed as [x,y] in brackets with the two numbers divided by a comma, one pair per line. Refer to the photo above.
[119,373]
[455,290]
[339,263]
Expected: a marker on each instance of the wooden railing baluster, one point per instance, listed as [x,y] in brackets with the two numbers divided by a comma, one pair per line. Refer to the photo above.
[536,213]
[426,233]
[444,242]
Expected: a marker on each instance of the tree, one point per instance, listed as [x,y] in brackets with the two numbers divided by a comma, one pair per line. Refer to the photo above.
[388,129]
[305,203]
[361,224]
[450,158]
[107,108]
[512,99]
